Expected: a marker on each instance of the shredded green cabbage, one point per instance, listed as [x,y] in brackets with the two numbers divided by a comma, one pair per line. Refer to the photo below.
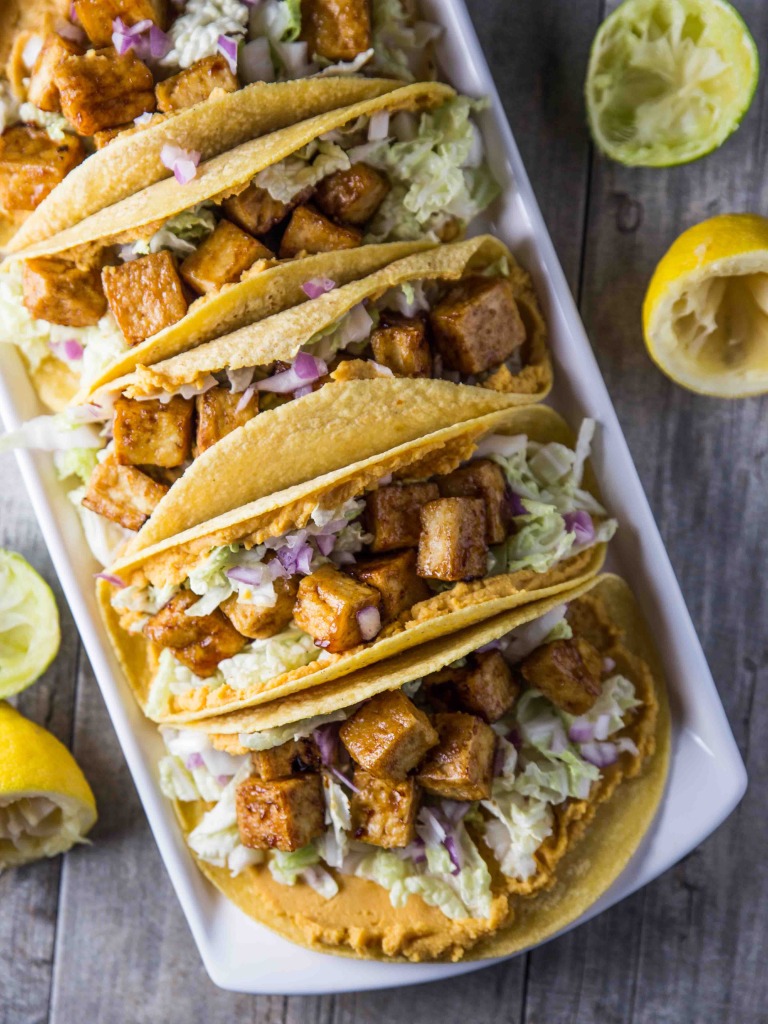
[304,169]
[181,234]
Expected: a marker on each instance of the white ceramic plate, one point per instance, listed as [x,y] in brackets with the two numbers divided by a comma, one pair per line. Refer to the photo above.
[707,776]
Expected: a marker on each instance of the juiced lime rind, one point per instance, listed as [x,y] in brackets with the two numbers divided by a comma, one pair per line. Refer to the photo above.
[721,34]
[29,624]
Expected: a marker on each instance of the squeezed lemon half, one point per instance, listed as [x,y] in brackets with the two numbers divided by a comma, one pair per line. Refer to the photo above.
[669,80]
[705,314]
[29,624]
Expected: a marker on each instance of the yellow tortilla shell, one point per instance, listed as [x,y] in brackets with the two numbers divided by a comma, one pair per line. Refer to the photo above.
[230,172]
[131,162]
[280,337]
[592,842]
[440,451]
[260,294]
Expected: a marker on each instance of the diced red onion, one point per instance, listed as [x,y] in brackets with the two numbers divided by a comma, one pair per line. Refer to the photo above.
[325,544]
[223,780]
[306,369]
[70,349]
[343,779]
[159,42]
[247,396]
[608,664]
[303,392]
[602,727]
[581,732]
[514,504]
[326,738]
[297,559]
[492,645]
[383,371]
[110,578]
[580,523]
[317,286]
[227,47]
[599,754]
[378,126]
[194,761]
[252,577]
[256,62]
[71,32]
[183,162]
[454,852]
[369,622]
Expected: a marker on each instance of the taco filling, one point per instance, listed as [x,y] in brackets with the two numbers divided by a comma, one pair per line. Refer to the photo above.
[380,179]
[245,615]
[457,788]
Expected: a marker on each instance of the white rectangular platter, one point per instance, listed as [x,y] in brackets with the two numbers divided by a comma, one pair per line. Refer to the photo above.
[707,777]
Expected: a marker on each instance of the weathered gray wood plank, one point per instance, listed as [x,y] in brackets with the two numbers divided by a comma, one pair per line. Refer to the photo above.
[29,897]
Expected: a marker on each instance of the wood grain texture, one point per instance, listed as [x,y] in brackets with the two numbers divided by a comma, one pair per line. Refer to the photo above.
[104,938]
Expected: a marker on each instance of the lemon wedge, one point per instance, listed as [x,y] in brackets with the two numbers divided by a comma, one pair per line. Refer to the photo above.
[29,624]
[46,805]
[669,80]
[705,314]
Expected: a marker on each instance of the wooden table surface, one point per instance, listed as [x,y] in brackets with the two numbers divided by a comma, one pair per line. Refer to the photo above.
[100,937]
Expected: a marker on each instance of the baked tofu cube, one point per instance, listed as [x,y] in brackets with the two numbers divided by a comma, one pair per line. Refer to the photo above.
[310,232]
[218,415]
[42,90]
[352,196]
[401,343]
[284,814]
[484,479]
[107,135]
[262,623]
[153,433]
[392,514]
[195,84]
[288,759]
[336,29]
[388,735]
[96,16]
[488,688]
[32,164]
[199,642]
[395,578]
[122,493]
[63,293]
[101,89]
[477,325]
[221,258]
[327,607]
[452,541]
[145,295]
[383,811]
[460,767]
[255,211]
[567,672]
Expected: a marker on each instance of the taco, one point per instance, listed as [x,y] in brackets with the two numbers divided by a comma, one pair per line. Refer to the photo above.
[469,297]
[467,798]
[82,75]
[124,273]
[412,541]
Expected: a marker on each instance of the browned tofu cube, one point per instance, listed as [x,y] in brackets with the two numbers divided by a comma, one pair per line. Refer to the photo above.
[488,688]
[101,89]
[145,295]
[261,623]
[122,493]
[384,811]
[310,232]
[401,343]
[460,767]
[32,165]
[484,479]
[567,672]
[388,735]
[327,607]
[96,16]
[396,579]
[107,135]
[477,325]
[392,514]
[218,415]
[289,758]
[452,541]
[336,29]
[63,293]
[255,211]
[42,89]
[199,642]
[284,814]
[354,195]
[195,84]
[221,258]
[153,433]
